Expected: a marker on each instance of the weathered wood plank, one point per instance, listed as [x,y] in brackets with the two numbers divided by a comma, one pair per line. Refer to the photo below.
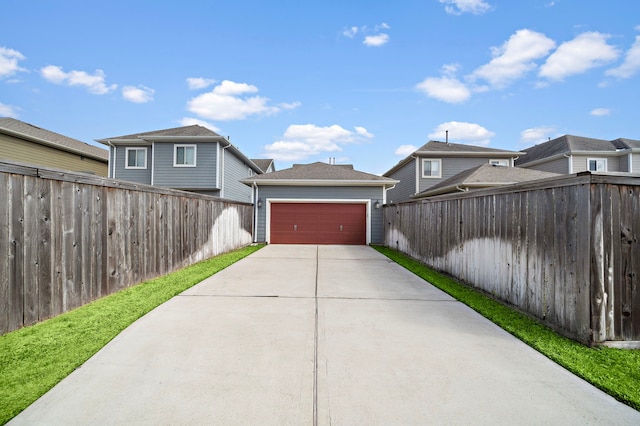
[5,249]
[16,253]
[31,266]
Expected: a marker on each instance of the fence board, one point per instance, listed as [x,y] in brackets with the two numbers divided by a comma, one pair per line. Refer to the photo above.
[565,251]
[72,238]
[5,250]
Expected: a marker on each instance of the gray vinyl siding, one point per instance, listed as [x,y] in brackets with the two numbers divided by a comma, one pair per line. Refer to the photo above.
[559,165]
[234,171]
[635,163]
[132,175]
[623,164]
[407,185]
[203,176]
[450,167]
[322,193]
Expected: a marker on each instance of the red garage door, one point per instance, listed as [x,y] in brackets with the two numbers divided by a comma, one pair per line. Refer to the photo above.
[318,223]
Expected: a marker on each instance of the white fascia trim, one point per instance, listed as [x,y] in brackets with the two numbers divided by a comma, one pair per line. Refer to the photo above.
[153,162]
[269,201]
[318,182]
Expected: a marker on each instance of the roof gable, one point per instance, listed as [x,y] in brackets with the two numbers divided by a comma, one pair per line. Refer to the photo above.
[485,175]
[194,130]
[448,149]
[319,173]
[20,129]
[569,144]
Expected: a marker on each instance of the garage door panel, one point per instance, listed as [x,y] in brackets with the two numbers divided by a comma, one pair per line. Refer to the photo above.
[318,223]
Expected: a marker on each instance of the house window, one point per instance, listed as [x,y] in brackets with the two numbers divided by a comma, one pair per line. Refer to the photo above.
[597,164]
[184,156]
[431,168]
[504,163]
[250,172]
[136,158]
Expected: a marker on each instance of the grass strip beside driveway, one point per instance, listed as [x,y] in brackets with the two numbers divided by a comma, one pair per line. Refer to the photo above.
[615,371]
[34,359]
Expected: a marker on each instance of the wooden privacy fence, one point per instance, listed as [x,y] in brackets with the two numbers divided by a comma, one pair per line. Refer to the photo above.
[67,239]
[566,250]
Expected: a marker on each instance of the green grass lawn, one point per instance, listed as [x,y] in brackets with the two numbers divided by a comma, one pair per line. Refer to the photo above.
[615,371]
[36,358]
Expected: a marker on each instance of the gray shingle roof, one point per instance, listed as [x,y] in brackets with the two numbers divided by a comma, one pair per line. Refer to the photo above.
[193,130]
[319,172]
[485,175]
[263,163]
[439,147]
[448,149]
[19,128]
[569,143]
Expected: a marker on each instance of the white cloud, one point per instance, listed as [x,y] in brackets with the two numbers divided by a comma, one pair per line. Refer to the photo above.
[586,51]
[350,32]
[446,89]
[514,58]
[600,112]
[372,37]
[290,105]
[189,121]
[404,150]
[376,40]
[462,132]
[95,83]
[9,59]
[301,141]
[196,83]
[458,7]
[631,64]
[363,132]
[233,101]
[138,95]
[8,111]
[536,135]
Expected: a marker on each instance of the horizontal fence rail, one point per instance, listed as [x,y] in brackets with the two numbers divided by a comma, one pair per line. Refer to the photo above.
[566,250]
[67,239]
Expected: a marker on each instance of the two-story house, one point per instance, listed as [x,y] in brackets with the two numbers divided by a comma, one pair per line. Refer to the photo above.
[191,158]
[25,143]
[436,162]
[570,154]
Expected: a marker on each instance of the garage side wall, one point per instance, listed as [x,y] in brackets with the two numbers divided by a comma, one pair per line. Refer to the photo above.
[295,193]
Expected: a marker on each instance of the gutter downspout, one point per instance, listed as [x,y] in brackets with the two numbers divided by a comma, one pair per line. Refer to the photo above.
[222,171]
[570,157]
[417,174]
[113,172]
[255,210]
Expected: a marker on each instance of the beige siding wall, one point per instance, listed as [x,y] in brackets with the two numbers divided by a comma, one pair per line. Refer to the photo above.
[580,163]
[560,165]
[19,150]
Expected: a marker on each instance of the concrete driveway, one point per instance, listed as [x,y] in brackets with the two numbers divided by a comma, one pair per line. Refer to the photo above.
[327,335]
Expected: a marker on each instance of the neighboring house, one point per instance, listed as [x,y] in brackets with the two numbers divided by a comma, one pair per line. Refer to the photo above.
[436,161]
[484,176]
[25,143]
[191,158]
[319,203]
[570,154]
[266,165]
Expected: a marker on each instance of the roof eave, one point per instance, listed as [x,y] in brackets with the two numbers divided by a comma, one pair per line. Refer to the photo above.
[319,182]
[55,145]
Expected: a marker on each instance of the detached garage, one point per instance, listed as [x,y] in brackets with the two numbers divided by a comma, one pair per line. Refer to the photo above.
[319,203]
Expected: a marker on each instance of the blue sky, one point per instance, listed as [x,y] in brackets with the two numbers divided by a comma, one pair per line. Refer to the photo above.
[361,81]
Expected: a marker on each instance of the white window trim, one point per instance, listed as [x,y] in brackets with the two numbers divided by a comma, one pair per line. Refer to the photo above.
[439,161]
[497,162]
[606,166]
[126,158]
[175,154]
